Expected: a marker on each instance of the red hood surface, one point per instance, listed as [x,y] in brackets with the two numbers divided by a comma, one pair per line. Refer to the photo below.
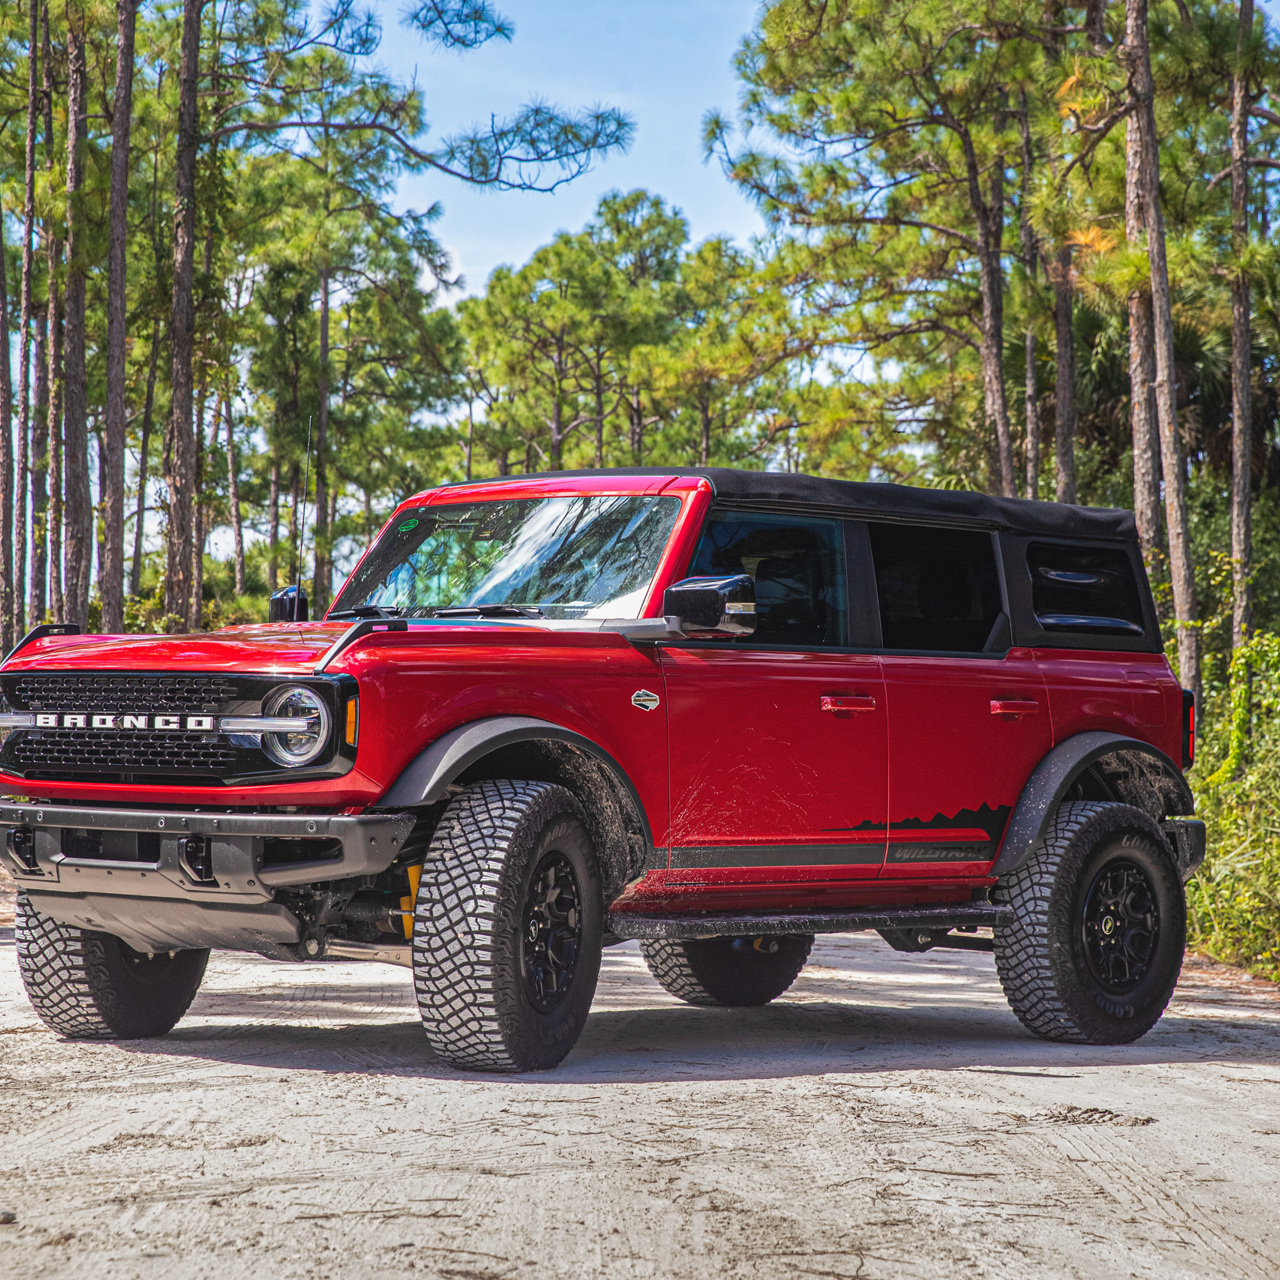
[283,648]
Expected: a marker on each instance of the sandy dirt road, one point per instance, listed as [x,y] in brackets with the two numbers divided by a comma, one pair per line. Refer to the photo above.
[887,1118]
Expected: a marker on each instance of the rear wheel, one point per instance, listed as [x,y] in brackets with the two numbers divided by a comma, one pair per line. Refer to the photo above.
[92,986]
[1097,946]
[738,972]
[507,928]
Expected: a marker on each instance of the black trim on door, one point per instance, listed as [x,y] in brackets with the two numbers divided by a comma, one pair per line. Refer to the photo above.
[777,855]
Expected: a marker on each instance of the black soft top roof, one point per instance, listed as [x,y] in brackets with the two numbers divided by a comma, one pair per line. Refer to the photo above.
[890,501]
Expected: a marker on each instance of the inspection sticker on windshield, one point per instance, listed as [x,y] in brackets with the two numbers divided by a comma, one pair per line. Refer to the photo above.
[645,700]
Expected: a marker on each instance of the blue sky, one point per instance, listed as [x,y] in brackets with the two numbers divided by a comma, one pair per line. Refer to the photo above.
[664,62]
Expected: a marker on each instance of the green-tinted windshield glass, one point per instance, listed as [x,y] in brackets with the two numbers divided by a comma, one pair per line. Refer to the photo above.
[570,557]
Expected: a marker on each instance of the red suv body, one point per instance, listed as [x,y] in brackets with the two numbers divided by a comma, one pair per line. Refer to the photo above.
[776,704]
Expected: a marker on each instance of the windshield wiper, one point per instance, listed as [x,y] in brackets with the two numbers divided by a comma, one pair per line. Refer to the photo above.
[489,611]
[367,611]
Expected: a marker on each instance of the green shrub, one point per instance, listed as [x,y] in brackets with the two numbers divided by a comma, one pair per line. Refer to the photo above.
[1234,900]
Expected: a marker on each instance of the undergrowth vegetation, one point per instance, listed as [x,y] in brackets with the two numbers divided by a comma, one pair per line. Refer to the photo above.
[1234,900]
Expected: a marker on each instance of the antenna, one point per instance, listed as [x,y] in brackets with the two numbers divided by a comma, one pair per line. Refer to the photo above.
[302,520]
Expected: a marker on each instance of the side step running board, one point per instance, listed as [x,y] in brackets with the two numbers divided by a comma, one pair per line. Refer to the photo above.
[965,915]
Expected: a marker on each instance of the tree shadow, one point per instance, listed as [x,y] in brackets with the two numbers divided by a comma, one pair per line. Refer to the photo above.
[783,1040]
[858,1009]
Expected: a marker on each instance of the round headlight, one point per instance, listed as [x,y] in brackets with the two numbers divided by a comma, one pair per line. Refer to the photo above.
[302,747]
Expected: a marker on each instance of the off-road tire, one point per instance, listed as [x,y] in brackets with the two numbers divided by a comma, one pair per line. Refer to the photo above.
[732,972]
[92,986]
[470,958]
[1043,957]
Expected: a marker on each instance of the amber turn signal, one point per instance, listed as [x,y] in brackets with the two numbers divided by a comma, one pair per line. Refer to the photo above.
[353,721]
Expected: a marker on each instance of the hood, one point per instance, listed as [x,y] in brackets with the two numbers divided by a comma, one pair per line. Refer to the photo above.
[283,648]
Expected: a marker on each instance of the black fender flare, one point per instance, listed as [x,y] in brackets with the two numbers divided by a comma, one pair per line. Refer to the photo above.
[1058,772]
[426,778]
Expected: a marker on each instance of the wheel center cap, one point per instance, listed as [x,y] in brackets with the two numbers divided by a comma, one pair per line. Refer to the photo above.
[1108,925]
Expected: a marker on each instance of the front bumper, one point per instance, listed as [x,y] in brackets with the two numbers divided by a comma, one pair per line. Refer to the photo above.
[194,879]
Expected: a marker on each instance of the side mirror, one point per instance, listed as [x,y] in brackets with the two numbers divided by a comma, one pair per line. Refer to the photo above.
[713,606]
[289,604]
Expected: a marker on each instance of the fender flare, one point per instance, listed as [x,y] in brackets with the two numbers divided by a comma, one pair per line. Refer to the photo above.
[425,779]
[1058,772]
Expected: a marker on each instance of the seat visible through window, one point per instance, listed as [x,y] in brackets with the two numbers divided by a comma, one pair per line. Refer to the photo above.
[797,563]
[939,589]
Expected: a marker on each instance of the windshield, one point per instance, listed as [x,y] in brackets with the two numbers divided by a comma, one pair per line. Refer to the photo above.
[571,557]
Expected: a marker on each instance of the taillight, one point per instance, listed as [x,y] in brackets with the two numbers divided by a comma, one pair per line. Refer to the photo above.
[1188,728]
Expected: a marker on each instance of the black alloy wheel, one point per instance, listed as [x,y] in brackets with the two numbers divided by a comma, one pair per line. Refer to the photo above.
[552,932]
[1100,921]
[1120,926]
[508,927]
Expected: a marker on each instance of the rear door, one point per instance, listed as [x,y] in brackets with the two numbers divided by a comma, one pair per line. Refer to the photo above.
[778,741]
[968,714]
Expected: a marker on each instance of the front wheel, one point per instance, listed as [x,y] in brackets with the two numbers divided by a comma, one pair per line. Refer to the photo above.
[1095,950]
[92,986]
[507,928]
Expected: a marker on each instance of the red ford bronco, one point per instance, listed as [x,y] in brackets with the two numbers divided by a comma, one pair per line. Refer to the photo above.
[716,711]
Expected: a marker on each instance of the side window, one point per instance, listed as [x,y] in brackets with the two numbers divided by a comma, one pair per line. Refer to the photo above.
[1084,589]
[939,588]
[798,566]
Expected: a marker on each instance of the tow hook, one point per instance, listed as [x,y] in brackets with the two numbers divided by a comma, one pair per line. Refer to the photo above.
[22,845]
[197,857]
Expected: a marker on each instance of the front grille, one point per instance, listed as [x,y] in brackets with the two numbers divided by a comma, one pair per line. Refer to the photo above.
[156,694]
[54,752]
[150,755]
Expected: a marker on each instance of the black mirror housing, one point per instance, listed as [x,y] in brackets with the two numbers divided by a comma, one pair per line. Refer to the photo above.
[289,604]
[722,606]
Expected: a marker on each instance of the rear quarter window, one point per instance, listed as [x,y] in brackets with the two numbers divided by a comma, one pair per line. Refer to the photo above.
[1084,591]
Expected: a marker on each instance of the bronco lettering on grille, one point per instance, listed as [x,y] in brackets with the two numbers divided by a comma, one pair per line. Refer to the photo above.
[81,720]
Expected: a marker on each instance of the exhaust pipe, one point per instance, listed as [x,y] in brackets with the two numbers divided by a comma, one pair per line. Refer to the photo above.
[343,949]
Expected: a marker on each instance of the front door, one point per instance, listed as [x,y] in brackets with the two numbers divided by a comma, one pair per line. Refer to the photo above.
[778,740]
[968,714]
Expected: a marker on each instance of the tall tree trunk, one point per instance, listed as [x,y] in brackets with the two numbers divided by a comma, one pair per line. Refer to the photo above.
[144,448]
[57,601]
[79,501]
[39,597]
[6,464]
[1031,403]
[320,536]
[180,443]
[53,248]
[1142,368]
[990,218]
[992,343]
[635,415]
[295,561]
[195,614]
[27,306]
[1064,394]
[1241,345]
[233,498]
[101,527]
[111,572]
[1137,56]
[1031,257]
[273,523]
